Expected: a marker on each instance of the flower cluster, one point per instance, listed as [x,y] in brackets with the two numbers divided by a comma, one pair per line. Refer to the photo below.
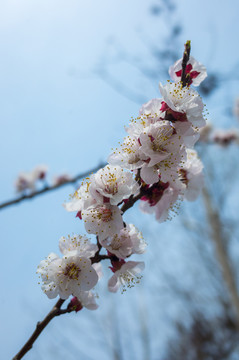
[155,164]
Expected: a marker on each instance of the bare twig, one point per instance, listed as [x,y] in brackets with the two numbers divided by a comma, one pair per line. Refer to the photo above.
[49,188]
[186,56]
[56,311]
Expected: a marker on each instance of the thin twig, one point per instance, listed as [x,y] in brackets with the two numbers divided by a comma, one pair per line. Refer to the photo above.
[186,56]
[50,188]
[56,311]
[217,235]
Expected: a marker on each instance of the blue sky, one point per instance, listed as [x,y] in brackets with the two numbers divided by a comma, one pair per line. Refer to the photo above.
[56,110]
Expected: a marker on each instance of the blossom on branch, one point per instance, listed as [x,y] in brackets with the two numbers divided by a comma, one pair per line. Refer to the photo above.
[78,244]
[125,243]
[66,276]
[183,103]
[103,220]
[27,180]
[194,70]
[127,276]
[112,184]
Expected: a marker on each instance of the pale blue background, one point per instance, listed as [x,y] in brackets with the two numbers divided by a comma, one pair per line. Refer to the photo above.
[55,109]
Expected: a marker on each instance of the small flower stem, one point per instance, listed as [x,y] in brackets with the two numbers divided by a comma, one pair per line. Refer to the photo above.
[186,56]
[56,311]
[131,201]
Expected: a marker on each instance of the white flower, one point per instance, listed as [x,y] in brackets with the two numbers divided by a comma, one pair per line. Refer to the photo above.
[78,244]
[25,181]
[40,172]
[113,183]
[67,276]
[137,126]
[129,155]
[194,69]
[81,199]
[129,241]
[189,134]
[163,146]
[98,268]
[183,100]
[191,176]
[127,276]
[159,141]
[163,207]
[87,299]
[151,111]
[166,170]
[103,220]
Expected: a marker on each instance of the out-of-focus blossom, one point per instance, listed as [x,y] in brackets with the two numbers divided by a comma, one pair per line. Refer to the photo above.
[27,180]
[225,137]
[205,133]
[40,172]
[61,179]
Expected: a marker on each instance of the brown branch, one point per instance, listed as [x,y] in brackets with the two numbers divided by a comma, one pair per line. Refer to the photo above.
[186,55]
[50,188]
[56,311]
[132,200]
[217,235]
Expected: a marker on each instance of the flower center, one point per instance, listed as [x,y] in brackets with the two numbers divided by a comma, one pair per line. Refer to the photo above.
[104,214]
[116,243]
[72,271]
[112,185]
[183,176]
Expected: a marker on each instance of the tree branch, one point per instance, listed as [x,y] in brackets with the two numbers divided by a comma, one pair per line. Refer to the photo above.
[217,236]
[186,56]
[50,188]
[56,311]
